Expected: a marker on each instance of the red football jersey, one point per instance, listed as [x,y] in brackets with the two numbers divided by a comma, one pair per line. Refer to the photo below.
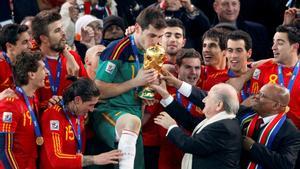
[210,76]
[150,131]
[268,73]
[60,147]
[6,76]
[16,119]
[45,93]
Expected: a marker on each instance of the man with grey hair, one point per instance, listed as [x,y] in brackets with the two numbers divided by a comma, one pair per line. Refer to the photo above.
[216,140]
[270,139]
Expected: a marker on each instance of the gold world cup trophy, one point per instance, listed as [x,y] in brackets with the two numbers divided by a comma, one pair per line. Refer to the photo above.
[154,57]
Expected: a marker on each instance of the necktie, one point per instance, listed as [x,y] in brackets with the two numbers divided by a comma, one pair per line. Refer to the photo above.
[258,123]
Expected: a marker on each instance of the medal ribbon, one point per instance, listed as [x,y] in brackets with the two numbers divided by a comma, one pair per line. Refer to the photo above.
[245,92]
[136,55]
[189,106]
[292,80]
[54,85]
[10,65]
[32,114]
[78,135]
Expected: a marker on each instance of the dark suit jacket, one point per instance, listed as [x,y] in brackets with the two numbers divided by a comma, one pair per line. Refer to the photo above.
[260,41]
[217,146]
[285,147]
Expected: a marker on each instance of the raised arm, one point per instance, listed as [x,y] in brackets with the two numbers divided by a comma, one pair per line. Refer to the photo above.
[143,77]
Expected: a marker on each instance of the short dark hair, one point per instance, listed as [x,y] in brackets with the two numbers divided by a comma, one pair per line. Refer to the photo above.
[26,62]
[240,35]
[216,34]
[187,53]
[83,87]
[151,16]
[41,21]
[174,22]
[10,34]
[292,32]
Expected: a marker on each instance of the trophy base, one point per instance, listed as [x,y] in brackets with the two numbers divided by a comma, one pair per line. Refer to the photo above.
[146,94]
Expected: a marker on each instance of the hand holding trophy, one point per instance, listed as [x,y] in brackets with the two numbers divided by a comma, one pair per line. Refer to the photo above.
[154,57]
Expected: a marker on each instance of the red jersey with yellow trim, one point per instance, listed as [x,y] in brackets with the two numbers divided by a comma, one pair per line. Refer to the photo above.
[59,150]
[16,119]
[268,73]
[211,76]
[45,93]
[6,75]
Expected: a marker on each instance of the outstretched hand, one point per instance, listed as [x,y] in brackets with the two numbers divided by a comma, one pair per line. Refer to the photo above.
[161,89]
[290,15]
[164,120]
[170,79]
[111,157]
[145,77]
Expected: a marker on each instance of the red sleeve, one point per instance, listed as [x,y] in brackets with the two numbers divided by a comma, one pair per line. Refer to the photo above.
[52,149]
[257,80]
[8,124]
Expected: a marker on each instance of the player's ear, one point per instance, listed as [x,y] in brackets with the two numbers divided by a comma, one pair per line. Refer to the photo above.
[77,99]
[31,75]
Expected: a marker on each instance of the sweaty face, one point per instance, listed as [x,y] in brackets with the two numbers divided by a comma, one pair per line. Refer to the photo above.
[237,55]
[189,71]
[149,37]
[56,36]
[281,47]
[173,40]
[212,53]
[22,44]
[227,10]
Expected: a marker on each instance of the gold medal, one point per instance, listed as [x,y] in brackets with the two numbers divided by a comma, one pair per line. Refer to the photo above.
[39,140]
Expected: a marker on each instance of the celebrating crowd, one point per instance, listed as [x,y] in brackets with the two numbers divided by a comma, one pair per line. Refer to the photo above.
[72,76]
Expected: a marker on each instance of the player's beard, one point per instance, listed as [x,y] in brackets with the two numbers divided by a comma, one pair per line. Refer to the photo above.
[58,47]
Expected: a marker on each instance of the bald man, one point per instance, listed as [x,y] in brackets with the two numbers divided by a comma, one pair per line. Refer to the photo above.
[92,60]
[275,141]
[216,140]
[272,144]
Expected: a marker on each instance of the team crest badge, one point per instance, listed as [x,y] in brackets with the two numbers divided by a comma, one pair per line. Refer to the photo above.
[7,117]
[110,67]
[256,74]
[54,125]
[131,58]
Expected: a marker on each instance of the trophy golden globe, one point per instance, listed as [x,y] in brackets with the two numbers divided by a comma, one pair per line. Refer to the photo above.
[154,57]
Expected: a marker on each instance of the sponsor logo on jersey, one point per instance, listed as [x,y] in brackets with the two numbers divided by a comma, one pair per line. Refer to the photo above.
[110,67]
[54,125]
[7,117]
[256,74]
